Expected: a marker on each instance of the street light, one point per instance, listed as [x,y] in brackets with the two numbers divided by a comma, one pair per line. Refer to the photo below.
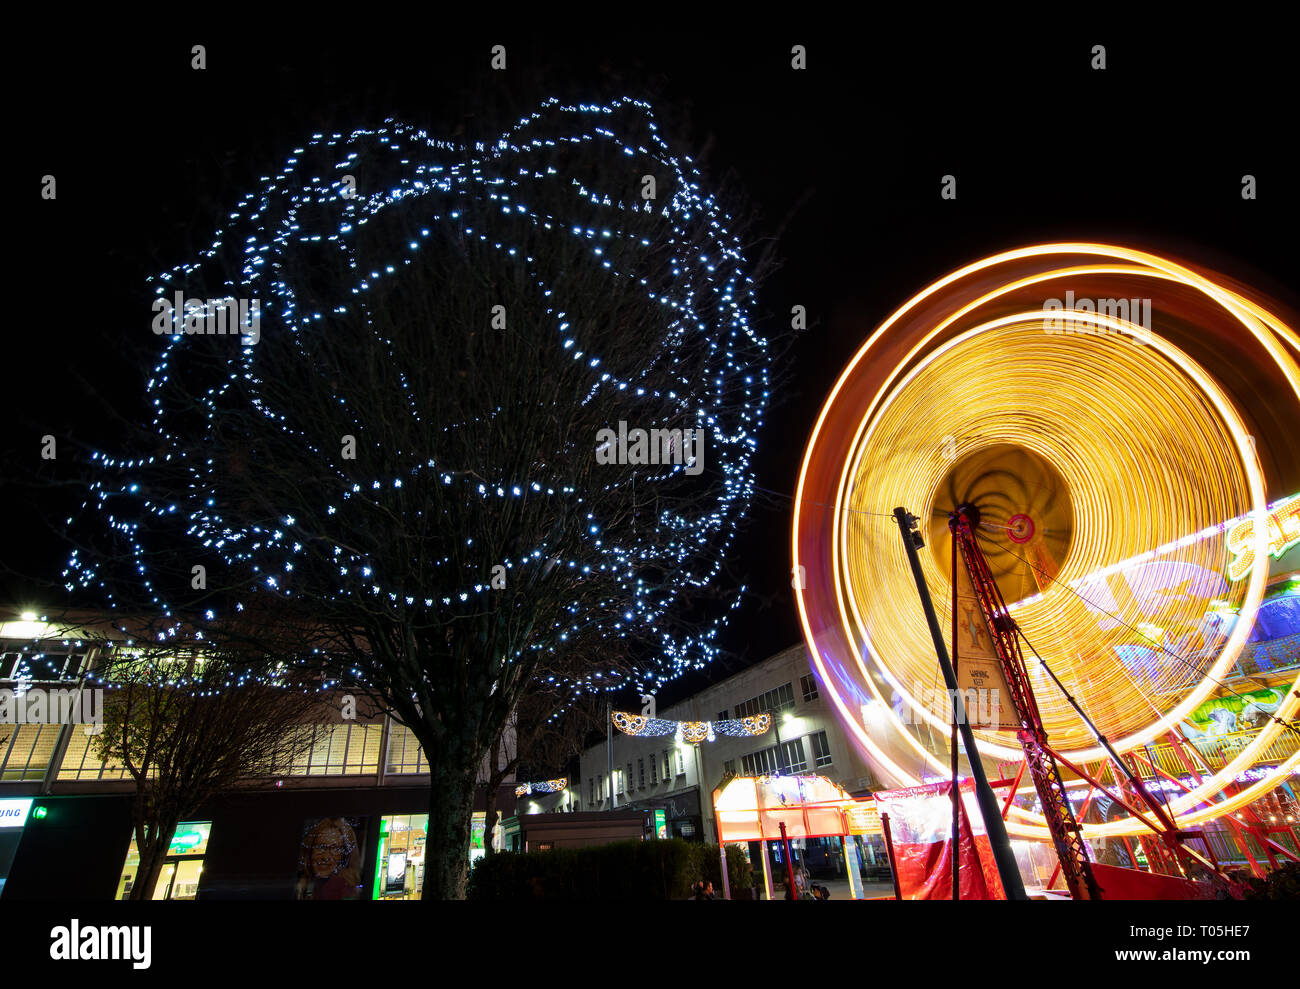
[780,749]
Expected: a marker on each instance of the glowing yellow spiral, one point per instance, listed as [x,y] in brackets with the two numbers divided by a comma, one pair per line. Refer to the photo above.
[1112,437]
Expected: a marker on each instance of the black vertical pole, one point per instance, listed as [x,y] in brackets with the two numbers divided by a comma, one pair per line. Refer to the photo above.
[893,862]
[1008,871]
[609,749]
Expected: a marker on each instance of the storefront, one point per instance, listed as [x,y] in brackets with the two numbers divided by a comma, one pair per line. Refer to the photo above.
[13,816]
[399,862]
[675,816]
[182,868]
[809,817]
[309,843]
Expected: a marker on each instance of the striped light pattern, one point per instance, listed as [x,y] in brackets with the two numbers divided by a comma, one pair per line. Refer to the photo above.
[1153,455]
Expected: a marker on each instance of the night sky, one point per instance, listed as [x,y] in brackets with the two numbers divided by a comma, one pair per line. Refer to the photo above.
[842,160]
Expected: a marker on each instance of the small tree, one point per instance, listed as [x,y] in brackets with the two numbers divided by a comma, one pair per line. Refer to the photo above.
[188,725]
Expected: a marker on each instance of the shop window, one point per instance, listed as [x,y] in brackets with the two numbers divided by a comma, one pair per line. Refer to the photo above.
[182,868]
[399,871]
[400,857]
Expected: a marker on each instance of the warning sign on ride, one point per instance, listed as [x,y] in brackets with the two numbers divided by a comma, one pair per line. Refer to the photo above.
[979,671]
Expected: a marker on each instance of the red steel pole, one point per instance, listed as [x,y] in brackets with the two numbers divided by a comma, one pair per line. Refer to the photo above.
[789,865]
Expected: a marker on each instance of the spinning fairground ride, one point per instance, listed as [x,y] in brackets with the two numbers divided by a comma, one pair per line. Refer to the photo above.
[1100,448]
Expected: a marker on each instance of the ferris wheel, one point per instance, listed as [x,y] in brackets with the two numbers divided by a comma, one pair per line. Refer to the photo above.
[1093,403]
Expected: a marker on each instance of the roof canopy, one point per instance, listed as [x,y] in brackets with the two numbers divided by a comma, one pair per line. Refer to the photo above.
[752,808]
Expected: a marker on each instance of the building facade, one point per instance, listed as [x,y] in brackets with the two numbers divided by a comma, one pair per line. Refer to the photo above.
[346,819]
[660,775]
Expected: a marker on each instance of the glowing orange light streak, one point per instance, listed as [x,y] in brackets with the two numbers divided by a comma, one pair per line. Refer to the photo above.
[932,388]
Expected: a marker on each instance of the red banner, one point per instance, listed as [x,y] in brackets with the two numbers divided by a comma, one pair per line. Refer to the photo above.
[920,824]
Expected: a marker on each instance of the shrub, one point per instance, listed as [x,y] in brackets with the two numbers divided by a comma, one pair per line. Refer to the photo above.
[640,870]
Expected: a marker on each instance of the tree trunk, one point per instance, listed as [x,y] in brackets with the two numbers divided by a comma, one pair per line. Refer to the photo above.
[446,849]
[152,856]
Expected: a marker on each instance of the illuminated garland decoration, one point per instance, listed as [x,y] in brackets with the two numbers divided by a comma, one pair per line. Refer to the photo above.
[1148,460]
[486,192]
[801,778]
[691,732]
[754,724]
[549,786]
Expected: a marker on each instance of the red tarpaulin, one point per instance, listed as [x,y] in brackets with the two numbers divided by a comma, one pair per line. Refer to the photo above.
[920,823]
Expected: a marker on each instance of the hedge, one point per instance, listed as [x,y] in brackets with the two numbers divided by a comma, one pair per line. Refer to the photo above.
[622,870]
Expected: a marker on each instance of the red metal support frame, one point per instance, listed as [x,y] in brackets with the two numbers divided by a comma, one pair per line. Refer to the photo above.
[1166,844]
[1064,829]
[789,862]
[1020,774]
[1259,831]
[1083,812]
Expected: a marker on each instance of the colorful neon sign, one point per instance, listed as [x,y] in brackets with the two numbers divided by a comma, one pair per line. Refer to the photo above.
[1283,533]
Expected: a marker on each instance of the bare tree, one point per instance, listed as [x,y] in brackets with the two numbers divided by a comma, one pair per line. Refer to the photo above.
[429,460]
[189,724]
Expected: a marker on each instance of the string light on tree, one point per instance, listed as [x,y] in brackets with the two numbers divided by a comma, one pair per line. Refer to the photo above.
[516,199]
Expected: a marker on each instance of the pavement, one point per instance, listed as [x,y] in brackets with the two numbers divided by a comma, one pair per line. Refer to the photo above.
[839,889]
